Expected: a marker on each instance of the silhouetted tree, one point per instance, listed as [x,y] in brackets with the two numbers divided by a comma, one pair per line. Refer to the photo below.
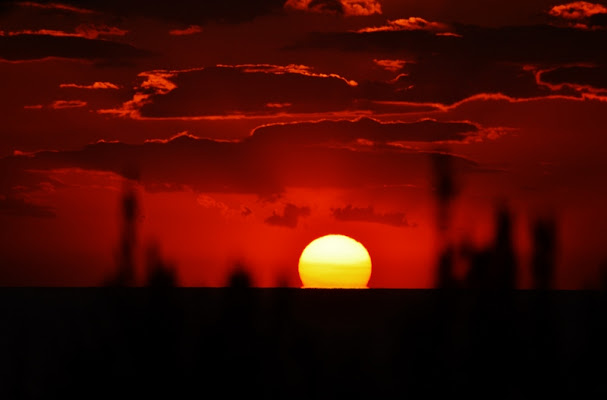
[158,273]
[162,327]
[236,356]
[445,191]
[446,263]
[504,258]
[544,253]
[479,269]
[494,267]
[444,183]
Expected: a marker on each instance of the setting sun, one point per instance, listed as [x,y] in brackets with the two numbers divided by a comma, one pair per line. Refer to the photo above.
[335,261]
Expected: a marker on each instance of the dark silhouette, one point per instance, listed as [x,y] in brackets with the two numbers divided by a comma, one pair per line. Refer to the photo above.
[126,273]
[479,335]
[504,256]
[544,253]
[158,273]
[445,274]
[444,185]
[495,266]
[445,191]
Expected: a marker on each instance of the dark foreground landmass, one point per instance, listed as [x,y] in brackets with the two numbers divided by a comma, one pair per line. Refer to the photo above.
[99,343]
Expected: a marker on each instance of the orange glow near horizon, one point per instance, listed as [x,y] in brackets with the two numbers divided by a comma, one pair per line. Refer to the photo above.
[335,261]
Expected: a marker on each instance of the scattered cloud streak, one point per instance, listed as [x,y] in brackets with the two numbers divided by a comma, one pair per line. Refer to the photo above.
[55,6]
[57,105]
[84,31]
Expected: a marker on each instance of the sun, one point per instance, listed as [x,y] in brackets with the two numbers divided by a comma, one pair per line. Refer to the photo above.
[335,261]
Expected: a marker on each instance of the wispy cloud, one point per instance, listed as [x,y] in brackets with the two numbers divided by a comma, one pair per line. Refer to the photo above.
[342,7]
[581,78]
[408,24]
[190,30]
[184,134]
[84,31]
[162,82]
[59,104]
[55,6]
[95,85]
[390,65]
[155,83]
[288,69]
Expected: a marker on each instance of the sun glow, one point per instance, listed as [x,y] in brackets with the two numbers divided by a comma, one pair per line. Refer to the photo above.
[335,261]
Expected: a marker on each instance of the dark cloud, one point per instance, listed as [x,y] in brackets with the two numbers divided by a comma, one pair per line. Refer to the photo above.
[50,7]
[35,47]
[262,89]
[447,79]
[577,10]
[248,89]
[439,70]
[233,167]
[330,6]
[474,60]
[18,175]
[598,20]
[520,44]
[341,7]
[346,131]
[593,76]
[290,216]
[368,214]
[187,11]
[22,208]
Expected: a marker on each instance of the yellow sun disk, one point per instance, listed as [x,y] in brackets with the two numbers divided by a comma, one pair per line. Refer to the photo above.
[335,261]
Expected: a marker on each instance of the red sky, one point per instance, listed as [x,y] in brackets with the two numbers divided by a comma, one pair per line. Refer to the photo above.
[256,127]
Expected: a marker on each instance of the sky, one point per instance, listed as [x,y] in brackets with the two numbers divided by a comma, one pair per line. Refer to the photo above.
[248,129]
